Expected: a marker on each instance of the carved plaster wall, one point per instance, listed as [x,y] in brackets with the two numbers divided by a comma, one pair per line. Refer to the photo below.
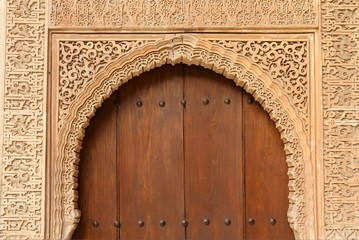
[332,135]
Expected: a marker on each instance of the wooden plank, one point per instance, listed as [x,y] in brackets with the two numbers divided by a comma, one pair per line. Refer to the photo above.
[97,176]
[151,157]
[266,177]
[213,156]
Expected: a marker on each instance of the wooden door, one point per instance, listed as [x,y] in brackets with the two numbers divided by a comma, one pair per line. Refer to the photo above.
[187,157]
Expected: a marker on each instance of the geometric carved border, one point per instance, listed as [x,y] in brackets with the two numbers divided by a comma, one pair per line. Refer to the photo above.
[192,50]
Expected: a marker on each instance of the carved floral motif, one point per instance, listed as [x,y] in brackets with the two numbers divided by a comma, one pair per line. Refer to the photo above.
[81,60]
[285,61]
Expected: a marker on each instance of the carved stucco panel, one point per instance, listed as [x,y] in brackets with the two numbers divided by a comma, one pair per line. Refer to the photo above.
[183,14]
[23,130]
[285,61]
[188,49]
[80,61]
[340,41]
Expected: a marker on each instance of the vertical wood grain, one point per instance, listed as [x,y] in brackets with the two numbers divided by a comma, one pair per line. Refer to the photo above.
[151,155]
[266,179]
[213,156]
[97,176]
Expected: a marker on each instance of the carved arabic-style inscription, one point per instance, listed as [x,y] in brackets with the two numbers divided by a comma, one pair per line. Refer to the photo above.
[340,43]
[23,136]
[183,14]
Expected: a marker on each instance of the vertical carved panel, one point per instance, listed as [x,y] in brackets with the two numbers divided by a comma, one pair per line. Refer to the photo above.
[23,147]
[340,41]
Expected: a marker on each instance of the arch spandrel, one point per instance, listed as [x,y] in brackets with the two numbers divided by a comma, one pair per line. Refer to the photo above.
[189,50]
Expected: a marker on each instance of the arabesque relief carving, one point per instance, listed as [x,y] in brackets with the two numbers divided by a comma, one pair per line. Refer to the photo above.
[285,61]
[188,49]
[183,14]
[340,41]
[80,61]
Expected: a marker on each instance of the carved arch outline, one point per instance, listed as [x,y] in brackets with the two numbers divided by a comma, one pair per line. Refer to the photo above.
[187,49]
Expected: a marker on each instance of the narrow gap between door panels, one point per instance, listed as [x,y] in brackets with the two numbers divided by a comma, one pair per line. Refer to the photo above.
[244,95]
[183,149]
[118,218]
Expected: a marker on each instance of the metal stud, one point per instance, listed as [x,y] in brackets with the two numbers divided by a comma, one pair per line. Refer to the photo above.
[117,224]
[205,101]
[162,103]
[141,223]
[95,224]
[227,101]
[162,223]
[251,221]
[184,223]
[183,102]
[139,103]
[250,100]
[227,221]
[206,221]
[272,221]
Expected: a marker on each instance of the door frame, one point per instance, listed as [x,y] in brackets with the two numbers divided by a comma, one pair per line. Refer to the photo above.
[67,129]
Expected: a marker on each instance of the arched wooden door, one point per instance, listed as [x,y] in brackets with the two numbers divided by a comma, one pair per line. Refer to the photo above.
[182,153]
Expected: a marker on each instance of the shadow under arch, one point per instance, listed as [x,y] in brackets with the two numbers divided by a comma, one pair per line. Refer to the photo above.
[190,50]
